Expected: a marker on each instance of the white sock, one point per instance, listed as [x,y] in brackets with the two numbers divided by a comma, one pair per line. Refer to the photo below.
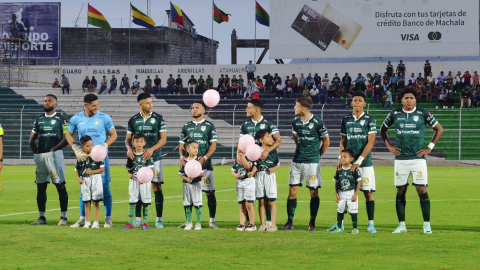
[158,219]
[212,220]
[82,218]
[370,222]
[139,219]
[426,223]
[64,214]
[42,214]
[402,223]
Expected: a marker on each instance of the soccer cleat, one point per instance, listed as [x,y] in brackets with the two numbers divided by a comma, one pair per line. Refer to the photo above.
[108,223]
[159,225]
[87,225]
[426,229]
[127,226]
[198,227]
[311,228]
[251,228]
[62,222]
[145,226]
[334,227]
[355,231]
[338,230]
[272,229]
[95,225]
[183,225]
[212,225]
[287,226]
[78,224]
[137,223]
[188,227]
[241,228]
[400,229]
[262,228]
[40,221]
[371,228]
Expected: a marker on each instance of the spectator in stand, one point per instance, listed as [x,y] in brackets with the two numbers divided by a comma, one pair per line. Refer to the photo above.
[227,81]
[424,93]
[148,85]
[401,67]
[377,79]
[389,69]
[427,68]
[301,82]
[241,84]
[418,89]
[286,80]
[178,85]
[259,84]
[66,84]
[306,92]
[157,88]
[450,99]
[294,83]
[388,99]
[370,88]
[235,80]
[411,83]
[103,85]
[458,81]
[221,80]
[323,95]
[268,84]
[386,81]
[171,84]
[201,85]
[476,78]
[413,79]
[256,90]
[346,82]
[348,103]
[85,83]
[135,85]
[309,81]
[337,81]
[326,80]
[351,90]
[280,87]
[209,82]
[434,94]
[288,90]
[317,80]
[222,90]
[377,91]
[250,69]
[124,84]
[360,83]
[475,99]
[466,78]
[420,79]
[56,84]
[276,80]
[113,84]
[400,82]
[430,81]
[449,81]
[340,93]
[93,85]
[368,79]
[192,85]
[466,98]
[249,92]
[332,90]
[441,86]
[393,82]
[441,78]
[314,94]
[232,90]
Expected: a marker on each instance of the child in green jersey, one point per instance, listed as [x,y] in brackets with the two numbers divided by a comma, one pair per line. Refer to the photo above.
[245,187]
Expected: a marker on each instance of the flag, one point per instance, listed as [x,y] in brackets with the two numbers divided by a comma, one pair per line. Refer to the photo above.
[176,14]
[218,15]
[262,15]
[141,19]
[96,18]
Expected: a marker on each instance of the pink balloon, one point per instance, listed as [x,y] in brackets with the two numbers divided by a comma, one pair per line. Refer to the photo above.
[211,98]
[145,175]
[99,153]
[245,141]
[254,152]
[193,168]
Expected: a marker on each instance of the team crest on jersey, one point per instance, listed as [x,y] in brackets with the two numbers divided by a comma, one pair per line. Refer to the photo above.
[203,128]
[310,126]
[402,125]
[53,122]
[415,118]
[262,126]
[362,122]
[152,120]
[97,122]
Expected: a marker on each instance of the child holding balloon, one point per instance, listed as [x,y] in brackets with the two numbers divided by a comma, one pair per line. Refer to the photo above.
[245,186]
[88,175]
[191,175]
[137,191]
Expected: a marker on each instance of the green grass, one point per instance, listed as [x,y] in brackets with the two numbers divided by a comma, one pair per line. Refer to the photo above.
[454,243]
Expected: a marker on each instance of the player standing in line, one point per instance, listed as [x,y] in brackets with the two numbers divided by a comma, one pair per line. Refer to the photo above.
[358,131]
[50,129]
[410,155]
[205,134]
[251,127]
[308,131]
[95,124]
[152,126]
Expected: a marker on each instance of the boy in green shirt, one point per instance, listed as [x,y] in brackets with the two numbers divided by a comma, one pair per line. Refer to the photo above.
[245,186]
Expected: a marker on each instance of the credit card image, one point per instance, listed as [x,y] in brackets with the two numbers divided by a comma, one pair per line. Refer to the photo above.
[315,27]
[349,29]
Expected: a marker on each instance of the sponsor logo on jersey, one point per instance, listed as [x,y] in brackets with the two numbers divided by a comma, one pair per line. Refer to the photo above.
[97,122]
[415,118]
[408,131]
[152,120]
[53,122]
[362,122]
[357,130]
[147,128]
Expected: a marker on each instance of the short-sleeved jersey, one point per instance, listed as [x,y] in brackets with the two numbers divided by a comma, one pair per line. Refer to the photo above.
[150,127]
[309,135]
[181,171]
[137,163]
[347,179]
[357,132]
[251,127]
[1,131]
[96,126]
[237,168]
[50,130]
[82,167]
[203,135]
[409,130]
[271,161]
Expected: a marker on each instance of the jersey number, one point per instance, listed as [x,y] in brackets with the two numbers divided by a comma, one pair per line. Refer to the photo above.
[54,174]
[311,178]
[206,181]
[419,175]
[155,173]
[365,180]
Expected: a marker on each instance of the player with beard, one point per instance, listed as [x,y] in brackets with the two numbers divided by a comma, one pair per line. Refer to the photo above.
[205,134]
[49,129]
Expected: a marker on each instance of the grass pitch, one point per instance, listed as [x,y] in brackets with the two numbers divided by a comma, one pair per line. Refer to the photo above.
[454,243]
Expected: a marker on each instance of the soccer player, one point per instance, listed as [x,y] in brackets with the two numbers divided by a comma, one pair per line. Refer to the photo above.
[152,126]
[410,155]
[97,125]
[251,127]
[308,131]
[50,129]
[205,134]
[358,131]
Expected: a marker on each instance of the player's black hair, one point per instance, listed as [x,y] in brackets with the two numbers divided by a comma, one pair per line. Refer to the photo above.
[260,134]
[143,96]
[187,145]
[84,139]
[201,103]
[408,90]
[138,136]
[257,103]
[51,95]
[89,98]
[349,152]
[359,94]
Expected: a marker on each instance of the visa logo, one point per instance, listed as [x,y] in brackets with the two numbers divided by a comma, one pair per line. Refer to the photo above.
[409,37]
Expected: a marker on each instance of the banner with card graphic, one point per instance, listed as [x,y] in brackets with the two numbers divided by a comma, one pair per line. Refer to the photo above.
[373,28]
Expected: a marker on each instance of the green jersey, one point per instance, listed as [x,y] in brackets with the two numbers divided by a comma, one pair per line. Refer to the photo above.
[357,131]
[271,161]
[181,171]
[82,167]
[209,82]
[113,81]
[251,127]
[241,81]
[151,128]
[347,179]
[137,163]
[309,135]
[50,130]
[410,130]
[205,134]
[201,82]
[148,82]
[237,168]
